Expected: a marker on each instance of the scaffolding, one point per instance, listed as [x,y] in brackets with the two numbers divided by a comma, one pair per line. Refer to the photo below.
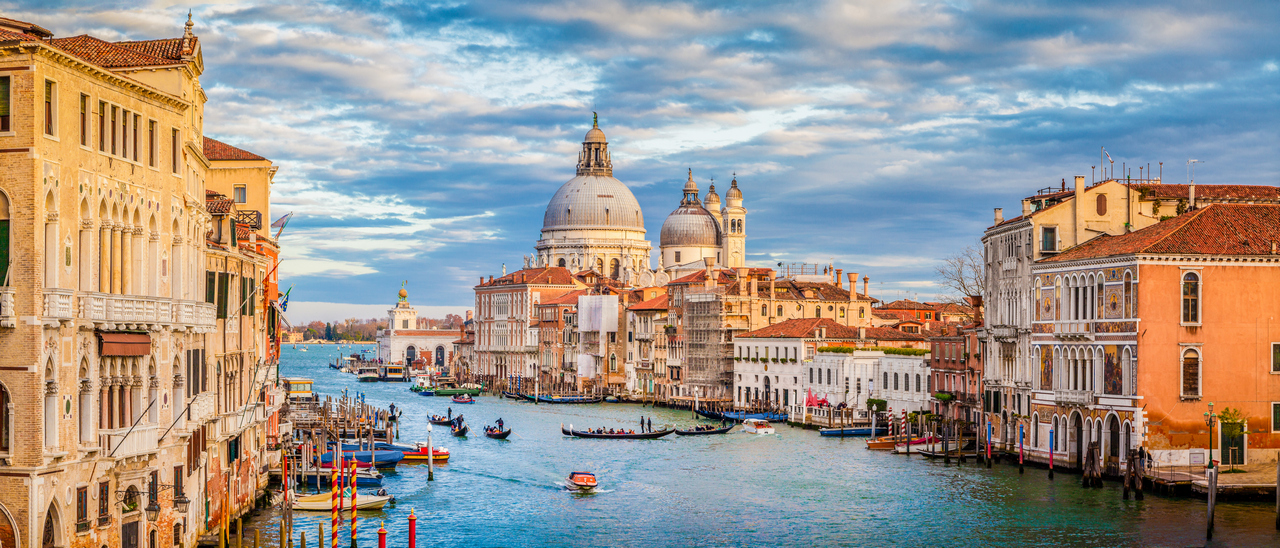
[708,343]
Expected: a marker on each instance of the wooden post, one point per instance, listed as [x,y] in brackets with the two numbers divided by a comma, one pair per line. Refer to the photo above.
[239,533]
[303,541]
[320,535]
[256,537]
[1212,476]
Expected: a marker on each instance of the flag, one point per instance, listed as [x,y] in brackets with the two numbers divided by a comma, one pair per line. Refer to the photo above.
[282,221]
[284,300]
[1104,151]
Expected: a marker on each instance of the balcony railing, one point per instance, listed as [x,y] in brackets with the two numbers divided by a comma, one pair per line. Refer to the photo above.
[115,311]
[121,443]
[644,335]
[1073,397]
[59,304]
[202,409]
[249,217]
[7,316]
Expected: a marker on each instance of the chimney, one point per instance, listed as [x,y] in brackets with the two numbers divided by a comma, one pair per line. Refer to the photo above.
[999,215]
[1273,247]
[1079,185]
[482,280]
[1026,207]
[1191,202]
[754,287]
[742,280]
[839,280]
[866,280]
[862,332]
[853,286]
[491,278]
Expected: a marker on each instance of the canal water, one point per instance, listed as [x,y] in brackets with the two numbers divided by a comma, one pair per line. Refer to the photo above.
[790,489]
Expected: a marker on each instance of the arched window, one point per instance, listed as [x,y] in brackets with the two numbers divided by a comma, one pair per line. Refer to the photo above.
[1102,204]
[1128,295]
[614,269]
[862,311]
[828,376]
[895,381]
[918,386]
[764,310]
[842,312]
[1190,373]
[886,381]
[817,311]
[1190,298]
[779,311]
[561,263]
[613,363]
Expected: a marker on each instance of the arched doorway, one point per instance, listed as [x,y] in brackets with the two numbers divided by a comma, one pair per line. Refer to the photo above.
[1077,432]
[439,356]
[410,354]
[1113,426]
[52,533]
[767,391]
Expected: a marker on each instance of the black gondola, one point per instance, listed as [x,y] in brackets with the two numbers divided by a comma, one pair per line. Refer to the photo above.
[526,397]
[443,421]
[511,395]
[644,436]
[705,432]
[497,434]
[460,430]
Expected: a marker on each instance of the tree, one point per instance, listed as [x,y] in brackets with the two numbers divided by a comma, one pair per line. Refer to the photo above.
[328,331]
[962,275]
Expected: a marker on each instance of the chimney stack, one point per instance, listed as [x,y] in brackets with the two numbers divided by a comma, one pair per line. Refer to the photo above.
[866,280]
[754,288]
[999,215]
[1026,207]
[839,280]
[742,280]
[853,285]
[1192,197]
[862,333]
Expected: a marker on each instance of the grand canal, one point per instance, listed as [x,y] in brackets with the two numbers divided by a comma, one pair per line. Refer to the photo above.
[791,489]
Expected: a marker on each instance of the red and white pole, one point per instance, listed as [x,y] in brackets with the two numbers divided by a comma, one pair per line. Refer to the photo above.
[353,504]
[335,503]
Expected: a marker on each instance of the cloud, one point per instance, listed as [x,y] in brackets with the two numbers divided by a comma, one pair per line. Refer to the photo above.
[422,141]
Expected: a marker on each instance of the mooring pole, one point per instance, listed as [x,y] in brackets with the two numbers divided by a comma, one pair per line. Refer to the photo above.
[1212,476]
[1051,448]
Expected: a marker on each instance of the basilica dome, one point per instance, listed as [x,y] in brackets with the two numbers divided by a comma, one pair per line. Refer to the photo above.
[593,201]
[690,225]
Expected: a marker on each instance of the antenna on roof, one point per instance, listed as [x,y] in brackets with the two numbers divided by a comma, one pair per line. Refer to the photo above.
[1191,170]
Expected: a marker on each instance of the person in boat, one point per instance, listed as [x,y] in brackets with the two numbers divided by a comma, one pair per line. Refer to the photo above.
[651,424]
[642,423]
[500,424]
[451,413]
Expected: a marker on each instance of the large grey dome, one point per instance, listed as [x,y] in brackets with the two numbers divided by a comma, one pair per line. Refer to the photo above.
[690,225]
[593,201]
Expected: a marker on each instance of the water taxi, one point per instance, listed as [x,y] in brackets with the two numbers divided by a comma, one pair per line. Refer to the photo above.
[395,373]
[368,373]
[581,481]
[757,426]
[323,502]
[299,389]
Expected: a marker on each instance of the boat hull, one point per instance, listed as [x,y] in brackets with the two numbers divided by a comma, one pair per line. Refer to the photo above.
[741,416]
[704,432]
[852,432]
[644,436]
[324,503]
[498,435]
[379,459]
[568,399]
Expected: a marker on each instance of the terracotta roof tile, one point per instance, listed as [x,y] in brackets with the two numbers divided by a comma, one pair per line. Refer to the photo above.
[106,54]
[164,48]
[1253,193]
[218,150]
[219,205]
[568,298]
[1219,229]
[23,28]
[802,328]
[7,35]
[657,303]
[904,304]
[549,275]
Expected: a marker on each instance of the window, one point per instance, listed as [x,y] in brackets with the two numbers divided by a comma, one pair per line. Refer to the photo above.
[115,114]
[613,363]
[151,143]
[842,312]
[1275,357]
[136,120]
[764,310]
[1102,204]
[613,336]
[1190,298]
[895,381]
[82,507]
[102,126]
[917,382]
[1049,238]
[817,311]
[5,102]
[84,120]
[104,502]
[779,311]
[173,149]
[677,257]
[1275,417]
[404,324]
[224,280]
[50,113]
[210,286]
[124,134]
[862,311]
[810,375]
[1191,373]
[886,381]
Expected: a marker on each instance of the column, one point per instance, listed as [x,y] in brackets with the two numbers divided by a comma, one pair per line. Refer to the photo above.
[104,257]
[138,276]
[115,259]
[85,266]
[126,261]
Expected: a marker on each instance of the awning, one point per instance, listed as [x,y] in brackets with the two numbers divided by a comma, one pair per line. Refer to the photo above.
[125,344]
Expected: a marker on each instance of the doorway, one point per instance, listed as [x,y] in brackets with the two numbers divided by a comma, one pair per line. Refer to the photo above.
[1077,432]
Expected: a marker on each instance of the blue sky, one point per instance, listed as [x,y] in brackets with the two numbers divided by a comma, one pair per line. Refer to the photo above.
[420,141]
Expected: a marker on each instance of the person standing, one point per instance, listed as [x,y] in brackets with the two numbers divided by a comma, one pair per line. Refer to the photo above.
[641,424]
[651,424]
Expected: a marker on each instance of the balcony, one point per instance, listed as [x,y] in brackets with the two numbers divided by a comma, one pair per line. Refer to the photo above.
[1078,329]
[1079,398]
[59,305]
[249,217]
[120,443]
[1009,263]
[110,311]
[8,318]
[644,335]
[202,409]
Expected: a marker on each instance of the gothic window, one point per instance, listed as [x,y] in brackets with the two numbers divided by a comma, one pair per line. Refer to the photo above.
[862,312]
[1128,295]
[1190,298]
[613,363]
[764,310]
[817,311]
[1191,373]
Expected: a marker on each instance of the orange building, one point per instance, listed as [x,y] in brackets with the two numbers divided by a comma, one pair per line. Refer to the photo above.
[1136,334]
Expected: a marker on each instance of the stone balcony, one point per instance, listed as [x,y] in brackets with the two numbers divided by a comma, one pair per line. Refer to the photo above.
[121,443]
[202,409]
[644,335]
[59,306]
[110,311]
[1079,398]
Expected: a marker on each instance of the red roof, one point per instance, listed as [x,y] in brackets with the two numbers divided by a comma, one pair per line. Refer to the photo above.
[1219,229]
[904,304]
[656,303]
[803,328]
[1253,193]
[106,54]
[548,275]
[218,150]
[164,48]
[22,30]
[891,334]
[568,298]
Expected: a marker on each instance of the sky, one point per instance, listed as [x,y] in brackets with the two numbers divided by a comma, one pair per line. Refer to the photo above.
[421,141]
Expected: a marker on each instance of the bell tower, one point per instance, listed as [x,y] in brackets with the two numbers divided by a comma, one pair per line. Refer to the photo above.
[734,220]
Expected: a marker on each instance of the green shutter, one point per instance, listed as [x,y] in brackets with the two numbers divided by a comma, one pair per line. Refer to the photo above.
[210,286]
[224,280]
[4,246]
[4,95]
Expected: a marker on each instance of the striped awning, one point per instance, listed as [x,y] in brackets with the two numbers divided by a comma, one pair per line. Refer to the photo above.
[124,344]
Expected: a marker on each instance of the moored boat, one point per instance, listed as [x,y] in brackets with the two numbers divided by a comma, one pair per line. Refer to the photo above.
[852,431]
[630,435]
[757,426]
[323,502]
[581,481]
[743,415]
[368,373]
[380,459]
[511,395]
[569,399]
[709,431]
[463,398]
[891,442]
[417,452]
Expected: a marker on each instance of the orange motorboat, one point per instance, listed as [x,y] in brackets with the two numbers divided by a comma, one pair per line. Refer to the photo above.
[890,442]
[581,481]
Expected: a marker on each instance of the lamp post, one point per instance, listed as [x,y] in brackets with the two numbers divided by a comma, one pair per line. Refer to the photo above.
[1209,419]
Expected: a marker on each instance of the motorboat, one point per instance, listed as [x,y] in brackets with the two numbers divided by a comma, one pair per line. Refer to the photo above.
[705,431]
[394,373]
[757,426]
[743,415]
[365,477]
[891,442]
[416,453]
[380,459]
[463,398]
[368,373]
[323,502]
[626,435]
[581,481]
[853,431]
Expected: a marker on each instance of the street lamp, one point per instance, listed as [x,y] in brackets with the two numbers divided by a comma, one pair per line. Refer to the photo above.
[1209,418]
[152,510]
[181,503]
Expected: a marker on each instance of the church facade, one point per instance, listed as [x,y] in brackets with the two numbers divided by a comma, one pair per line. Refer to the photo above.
[402,342]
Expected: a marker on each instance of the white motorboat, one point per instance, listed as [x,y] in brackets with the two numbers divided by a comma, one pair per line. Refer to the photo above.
[757,426]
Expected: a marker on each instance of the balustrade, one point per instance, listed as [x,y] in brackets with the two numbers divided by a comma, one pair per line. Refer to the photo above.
[59,304]
[1073,397]
[122,443]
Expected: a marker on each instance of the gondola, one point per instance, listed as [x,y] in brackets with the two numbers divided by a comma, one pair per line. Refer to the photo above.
[853,431]
[442,421]
[460,430]
[526,397]
[741,416]
[511,395]
[569,399]
[498,435]
[705,432]
[644,436]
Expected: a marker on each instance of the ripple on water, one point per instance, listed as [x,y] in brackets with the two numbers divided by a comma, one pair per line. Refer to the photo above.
[794,488]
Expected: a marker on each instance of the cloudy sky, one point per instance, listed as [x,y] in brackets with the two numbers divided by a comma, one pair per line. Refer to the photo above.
[421,141]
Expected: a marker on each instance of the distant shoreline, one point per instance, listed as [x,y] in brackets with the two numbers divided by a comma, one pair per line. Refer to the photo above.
[313,341]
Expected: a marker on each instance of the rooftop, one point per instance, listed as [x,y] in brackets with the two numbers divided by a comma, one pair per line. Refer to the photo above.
[1217,229]
[218,150]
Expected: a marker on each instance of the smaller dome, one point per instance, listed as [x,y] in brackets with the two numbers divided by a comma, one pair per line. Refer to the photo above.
[712,199]
[690,225]
[734,193]
[594,136]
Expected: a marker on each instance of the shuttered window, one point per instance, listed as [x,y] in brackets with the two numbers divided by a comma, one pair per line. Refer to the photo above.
[4,103]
